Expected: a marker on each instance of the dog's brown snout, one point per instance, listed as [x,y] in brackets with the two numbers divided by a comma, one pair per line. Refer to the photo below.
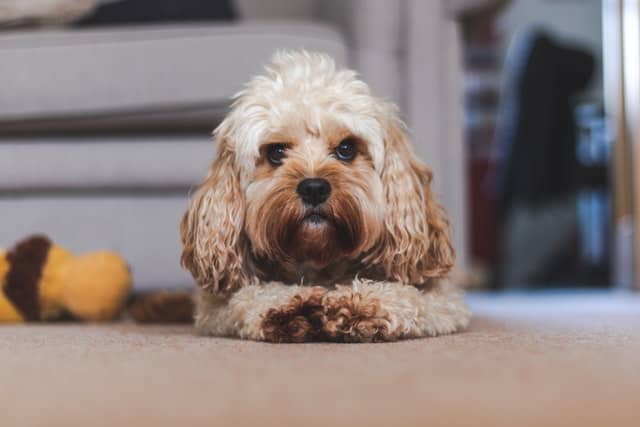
[314,191]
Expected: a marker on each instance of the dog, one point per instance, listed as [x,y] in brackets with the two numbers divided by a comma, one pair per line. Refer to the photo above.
[316,221]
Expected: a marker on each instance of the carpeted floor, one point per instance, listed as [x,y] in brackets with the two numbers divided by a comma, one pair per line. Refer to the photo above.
[525,361]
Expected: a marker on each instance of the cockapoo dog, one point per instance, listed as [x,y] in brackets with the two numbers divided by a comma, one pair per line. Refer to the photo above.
[316,221]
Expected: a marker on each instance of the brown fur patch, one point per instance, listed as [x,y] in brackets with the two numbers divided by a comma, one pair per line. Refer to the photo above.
[300,320]
[415,246]
[321,316]
[26,259]
[354,318]
[162,307]
[275,215]
[212,240]
[275,219]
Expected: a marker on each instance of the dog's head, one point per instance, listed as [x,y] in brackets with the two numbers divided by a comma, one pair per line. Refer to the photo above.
[313,170]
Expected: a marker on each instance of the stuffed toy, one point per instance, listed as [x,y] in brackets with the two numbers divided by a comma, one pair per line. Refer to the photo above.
[41,281]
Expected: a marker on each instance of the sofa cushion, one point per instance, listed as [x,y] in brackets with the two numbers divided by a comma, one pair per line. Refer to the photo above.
[146,162]
[52,74]
[196,119]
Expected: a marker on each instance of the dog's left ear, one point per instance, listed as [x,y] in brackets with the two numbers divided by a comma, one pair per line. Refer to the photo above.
[415,246]
[211,228]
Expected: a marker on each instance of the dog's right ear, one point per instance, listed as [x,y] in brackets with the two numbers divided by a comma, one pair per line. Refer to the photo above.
[415,247]
[211,228]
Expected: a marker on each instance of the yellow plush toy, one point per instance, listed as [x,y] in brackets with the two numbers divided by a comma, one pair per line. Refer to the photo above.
[40,281]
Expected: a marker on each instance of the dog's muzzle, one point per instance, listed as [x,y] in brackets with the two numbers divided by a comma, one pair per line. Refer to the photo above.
[314,191]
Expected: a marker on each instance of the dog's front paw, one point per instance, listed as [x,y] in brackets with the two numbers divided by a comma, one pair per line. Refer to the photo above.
[354,317]
[300,320]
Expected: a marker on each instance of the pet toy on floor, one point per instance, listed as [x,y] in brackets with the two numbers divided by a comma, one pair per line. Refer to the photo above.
[40,281]
[316,221]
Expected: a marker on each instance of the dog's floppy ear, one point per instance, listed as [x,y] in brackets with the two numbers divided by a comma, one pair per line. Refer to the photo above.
[211,228]
[414,246]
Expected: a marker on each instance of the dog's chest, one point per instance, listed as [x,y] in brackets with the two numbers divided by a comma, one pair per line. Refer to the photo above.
[307,275]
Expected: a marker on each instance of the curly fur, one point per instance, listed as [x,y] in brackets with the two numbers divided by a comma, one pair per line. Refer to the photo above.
[364,311]
[245,232]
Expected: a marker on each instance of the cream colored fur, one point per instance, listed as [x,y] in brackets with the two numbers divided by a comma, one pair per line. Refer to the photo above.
[246,228]
[414,312]
[241,314]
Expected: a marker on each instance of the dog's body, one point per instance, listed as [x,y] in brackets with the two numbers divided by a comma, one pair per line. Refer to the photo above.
[316,221]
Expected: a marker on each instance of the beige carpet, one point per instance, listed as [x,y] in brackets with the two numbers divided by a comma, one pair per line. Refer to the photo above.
[570,361]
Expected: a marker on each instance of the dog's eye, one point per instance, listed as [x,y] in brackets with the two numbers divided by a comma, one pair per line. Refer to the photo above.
[346,151]
[275,153]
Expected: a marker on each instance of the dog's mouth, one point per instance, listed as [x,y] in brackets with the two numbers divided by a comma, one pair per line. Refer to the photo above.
[315,218]
[319,237]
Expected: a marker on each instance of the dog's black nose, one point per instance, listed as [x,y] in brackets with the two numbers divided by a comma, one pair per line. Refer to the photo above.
[314,191]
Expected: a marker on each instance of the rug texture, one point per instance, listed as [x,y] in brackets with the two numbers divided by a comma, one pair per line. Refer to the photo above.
[525,361]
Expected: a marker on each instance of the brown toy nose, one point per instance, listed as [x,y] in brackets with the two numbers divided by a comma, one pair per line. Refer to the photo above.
[314,191]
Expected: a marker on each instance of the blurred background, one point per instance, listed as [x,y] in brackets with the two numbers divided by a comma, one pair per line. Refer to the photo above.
[524,109]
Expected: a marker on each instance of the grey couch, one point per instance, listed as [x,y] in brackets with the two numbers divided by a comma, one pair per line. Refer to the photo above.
[104,132]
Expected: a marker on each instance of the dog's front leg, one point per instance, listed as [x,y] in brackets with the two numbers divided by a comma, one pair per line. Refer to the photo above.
[365,311]
[269,311]
[376,311]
